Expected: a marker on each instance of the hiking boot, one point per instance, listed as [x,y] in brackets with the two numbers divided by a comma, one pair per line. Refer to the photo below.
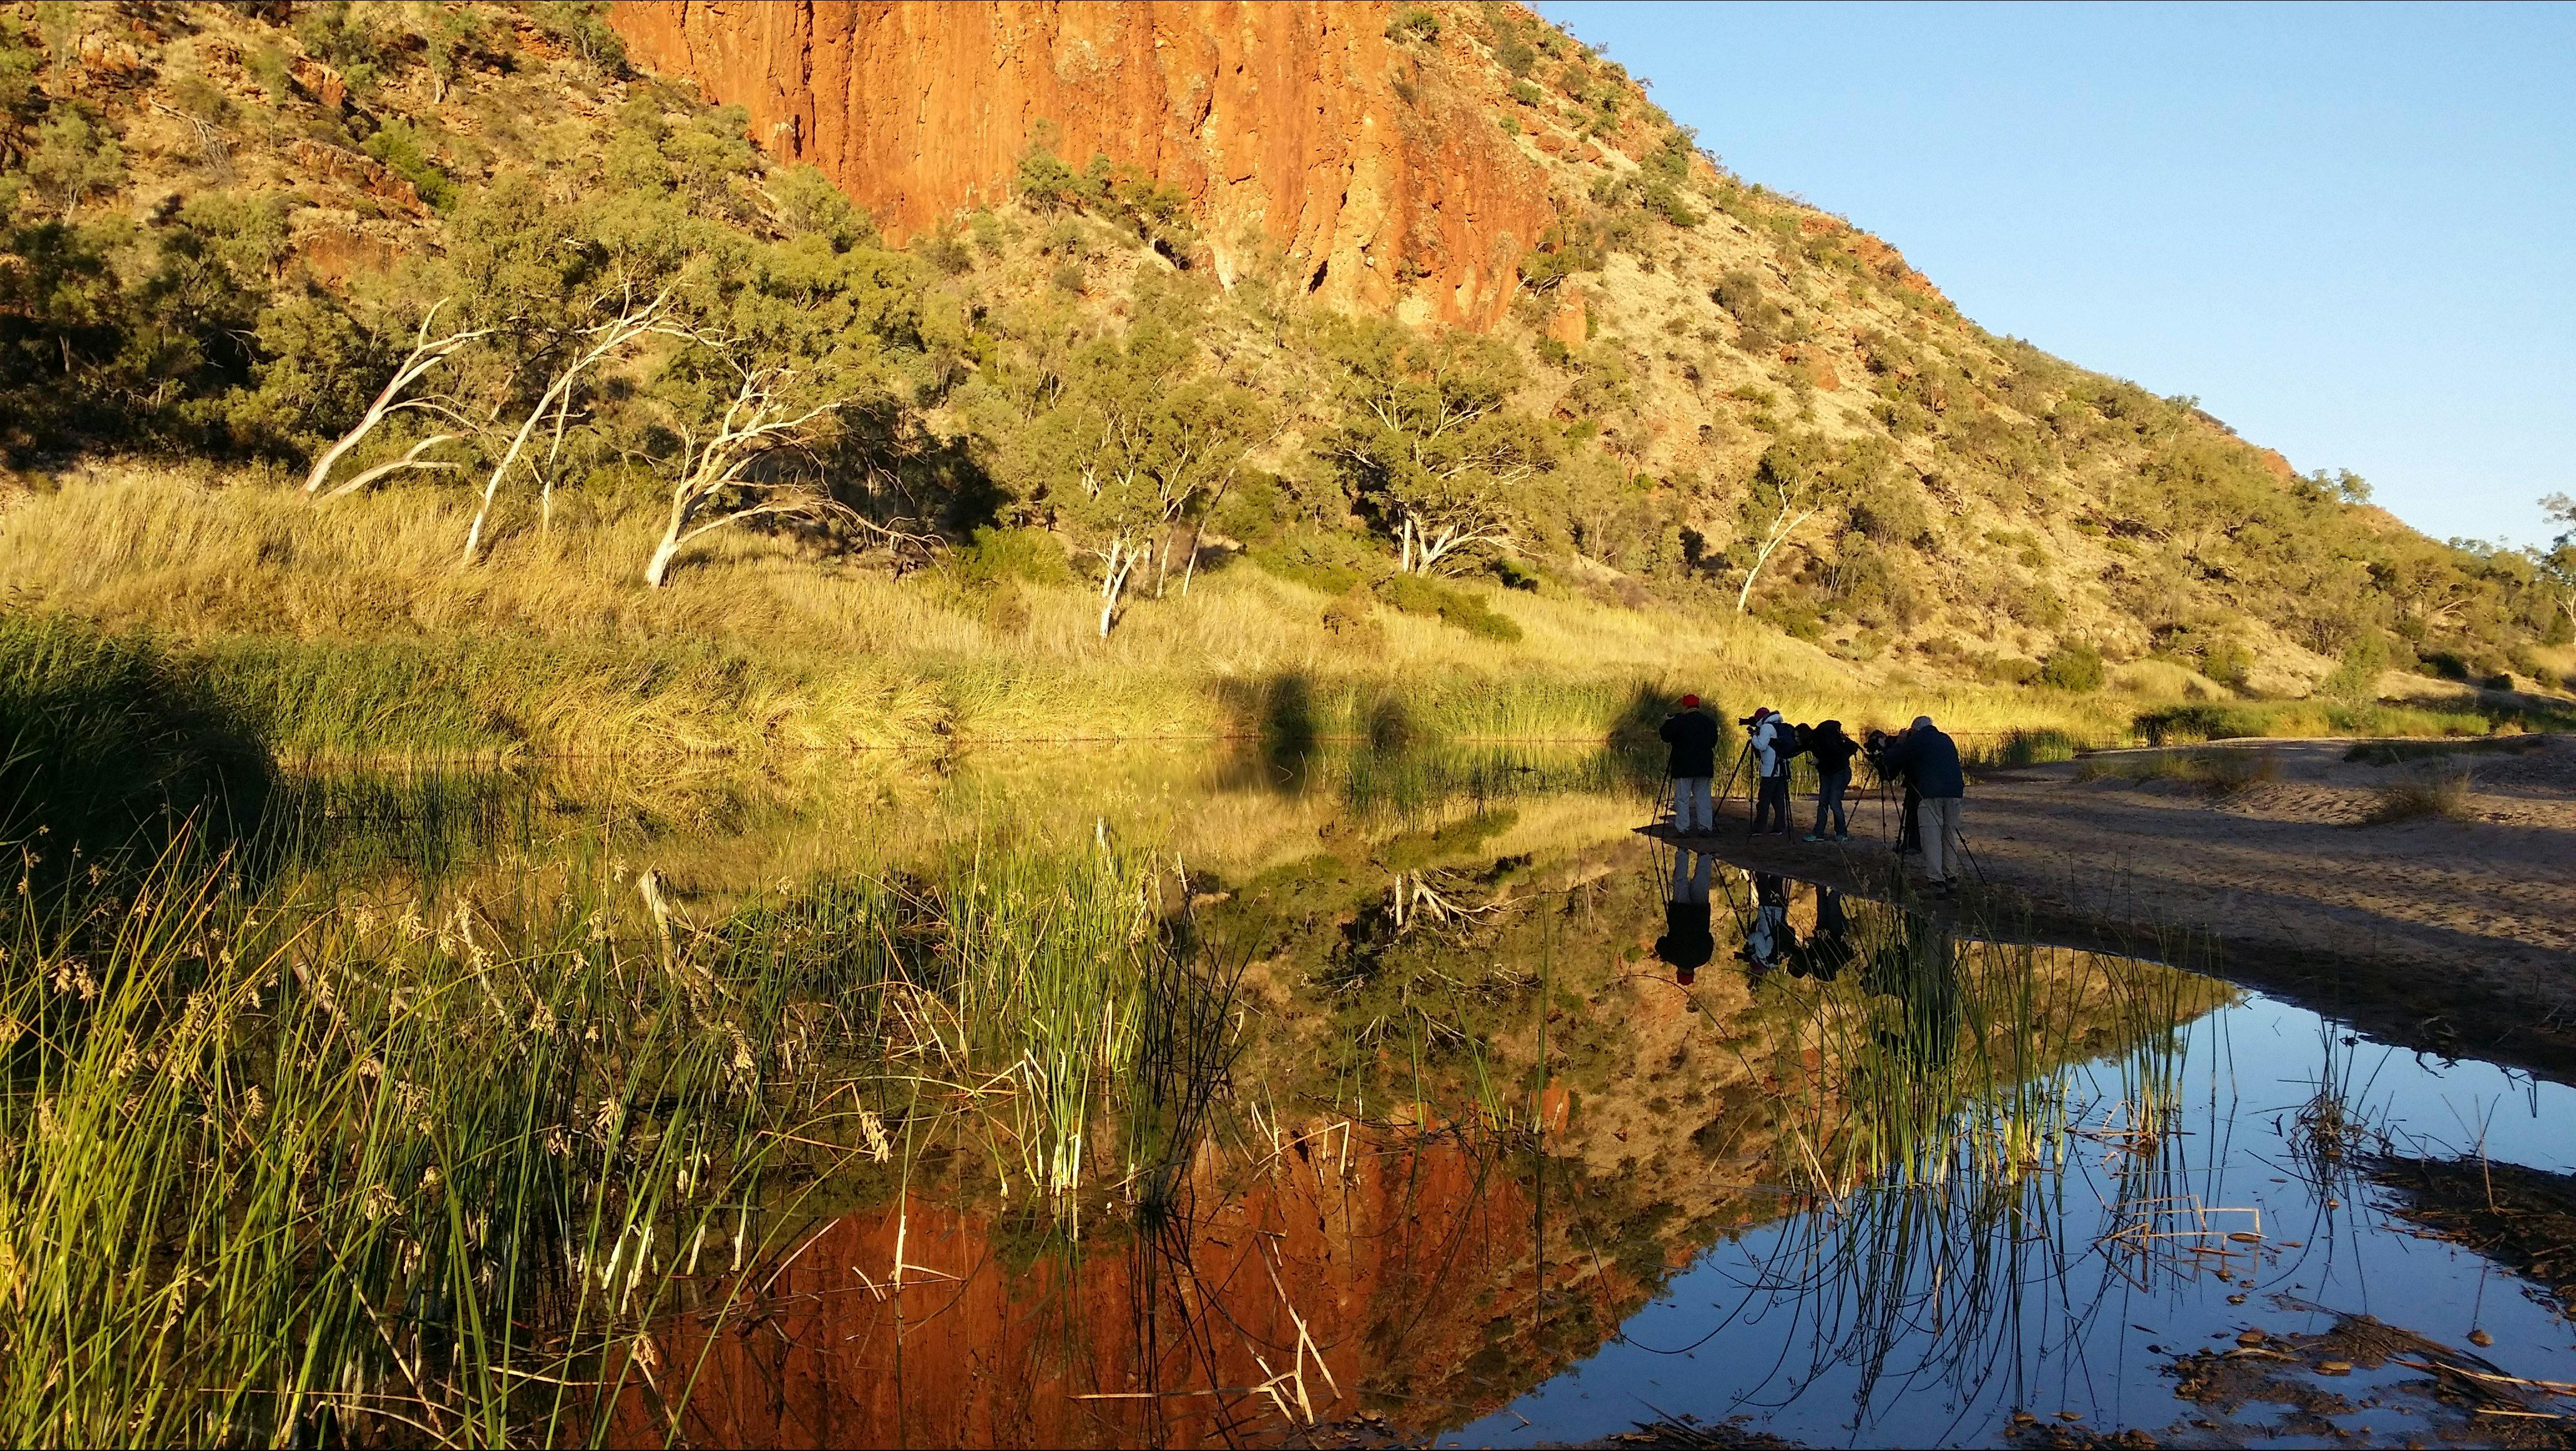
[1842,836]
[1811,836]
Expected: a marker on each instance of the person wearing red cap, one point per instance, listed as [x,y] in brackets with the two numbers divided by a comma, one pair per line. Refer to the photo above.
[1692,734]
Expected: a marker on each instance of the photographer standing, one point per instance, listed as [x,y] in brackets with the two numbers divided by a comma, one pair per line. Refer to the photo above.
[1930,761]
[1692,733]
[1775,741]
[1833,752]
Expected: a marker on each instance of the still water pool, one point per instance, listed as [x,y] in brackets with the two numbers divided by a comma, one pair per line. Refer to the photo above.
[1459,1132]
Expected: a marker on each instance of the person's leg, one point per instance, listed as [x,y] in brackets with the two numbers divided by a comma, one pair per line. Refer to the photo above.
[1950,847]
[1927,834]
[1761,802]
[1699,880]
[1777,789]
[1681,803]
[1829,800]
[1681,878]
[1842,816]
[1703,814]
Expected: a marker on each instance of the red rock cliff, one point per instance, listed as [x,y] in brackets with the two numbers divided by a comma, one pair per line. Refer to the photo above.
[1296,129]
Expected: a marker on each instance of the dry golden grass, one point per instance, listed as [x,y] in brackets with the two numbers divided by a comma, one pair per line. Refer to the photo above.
[351,630]
[2216,772]
[2424,792]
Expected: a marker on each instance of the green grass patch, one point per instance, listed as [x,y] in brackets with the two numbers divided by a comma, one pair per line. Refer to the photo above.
[1415,594]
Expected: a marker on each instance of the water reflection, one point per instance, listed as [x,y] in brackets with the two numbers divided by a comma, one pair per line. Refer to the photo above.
[1428,1104]
[1687,944]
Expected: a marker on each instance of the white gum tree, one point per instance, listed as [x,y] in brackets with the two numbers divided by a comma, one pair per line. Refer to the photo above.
[726,474]
[425,355]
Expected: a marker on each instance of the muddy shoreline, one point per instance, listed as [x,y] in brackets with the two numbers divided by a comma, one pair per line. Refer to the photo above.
[2452,934]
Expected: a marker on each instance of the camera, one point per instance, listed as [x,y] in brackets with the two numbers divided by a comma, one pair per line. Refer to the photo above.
[1748,721]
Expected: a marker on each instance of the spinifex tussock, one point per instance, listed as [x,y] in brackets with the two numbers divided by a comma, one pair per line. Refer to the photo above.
[2424,791]
[2214,772]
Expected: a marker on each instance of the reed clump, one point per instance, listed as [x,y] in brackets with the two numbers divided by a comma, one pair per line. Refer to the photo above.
[286,1157]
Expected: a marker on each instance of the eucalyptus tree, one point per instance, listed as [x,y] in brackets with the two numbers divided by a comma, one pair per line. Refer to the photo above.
[1140,435]
[1428,442]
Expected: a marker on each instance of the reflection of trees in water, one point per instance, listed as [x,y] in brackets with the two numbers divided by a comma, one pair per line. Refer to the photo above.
[1935,1100]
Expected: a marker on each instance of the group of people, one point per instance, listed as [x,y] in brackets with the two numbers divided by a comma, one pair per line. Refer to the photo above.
[1923,758]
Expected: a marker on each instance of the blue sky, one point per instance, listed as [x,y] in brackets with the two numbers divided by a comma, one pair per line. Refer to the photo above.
[2350,231]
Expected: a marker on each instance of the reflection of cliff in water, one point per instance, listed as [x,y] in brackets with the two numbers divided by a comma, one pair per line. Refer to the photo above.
[1398,1263]
[1476,1126]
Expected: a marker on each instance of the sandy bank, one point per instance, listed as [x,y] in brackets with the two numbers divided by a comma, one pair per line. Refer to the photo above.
[2450,933]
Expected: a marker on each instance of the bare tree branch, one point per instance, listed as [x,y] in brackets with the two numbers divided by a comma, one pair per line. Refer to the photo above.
[425,354]
[607,338]
[411,460]
[715,486]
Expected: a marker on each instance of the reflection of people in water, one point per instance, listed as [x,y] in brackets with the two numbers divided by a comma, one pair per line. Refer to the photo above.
[1768,938]
[1686,944]
[1917,965]
[1828,950]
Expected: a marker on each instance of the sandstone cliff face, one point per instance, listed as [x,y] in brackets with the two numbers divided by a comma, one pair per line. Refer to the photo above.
[1303,138]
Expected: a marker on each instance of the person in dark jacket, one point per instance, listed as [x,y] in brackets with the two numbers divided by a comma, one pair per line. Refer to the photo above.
[1687,944]
[1833,752]
[1692,734]
[1828,949]
[1930,761]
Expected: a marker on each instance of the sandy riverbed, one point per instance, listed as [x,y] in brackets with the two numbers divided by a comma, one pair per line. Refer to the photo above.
[2455,935]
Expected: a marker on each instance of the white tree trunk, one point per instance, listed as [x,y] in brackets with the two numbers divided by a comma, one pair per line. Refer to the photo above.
[657,572]
[1113,583]
[1780,532]
[425,354]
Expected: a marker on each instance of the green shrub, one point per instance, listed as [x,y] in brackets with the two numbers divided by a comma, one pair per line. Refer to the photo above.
[2073,666]
[405,153]
[1413,23]
[1327,563]
[994,556]
[2356,677]
[1413,594]
[1512,573]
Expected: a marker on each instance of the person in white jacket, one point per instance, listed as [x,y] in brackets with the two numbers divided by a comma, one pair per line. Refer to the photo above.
[1774,742]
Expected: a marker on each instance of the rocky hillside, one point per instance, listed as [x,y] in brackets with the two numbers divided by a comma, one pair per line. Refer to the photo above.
[1471,164]
[1419,307]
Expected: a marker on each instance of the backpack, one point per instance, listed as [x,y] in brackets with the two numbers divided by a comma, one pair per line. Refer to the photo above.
[1788,742]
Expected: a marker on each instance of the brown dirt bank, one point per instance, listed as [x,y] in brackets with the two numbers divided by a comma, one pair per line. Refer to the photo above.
[2453,934]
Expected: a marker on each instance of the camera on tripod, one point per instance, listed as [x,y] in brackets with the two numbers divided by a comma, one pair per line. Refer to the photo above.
[1873,749]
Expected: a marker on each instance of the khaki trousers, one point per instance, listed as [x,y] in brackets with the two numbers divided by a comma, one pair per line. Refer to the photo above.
[1936,826]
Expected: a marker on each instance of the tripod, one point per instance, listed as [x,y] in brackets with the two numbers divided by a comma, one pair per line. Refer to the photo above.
[1718,807]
